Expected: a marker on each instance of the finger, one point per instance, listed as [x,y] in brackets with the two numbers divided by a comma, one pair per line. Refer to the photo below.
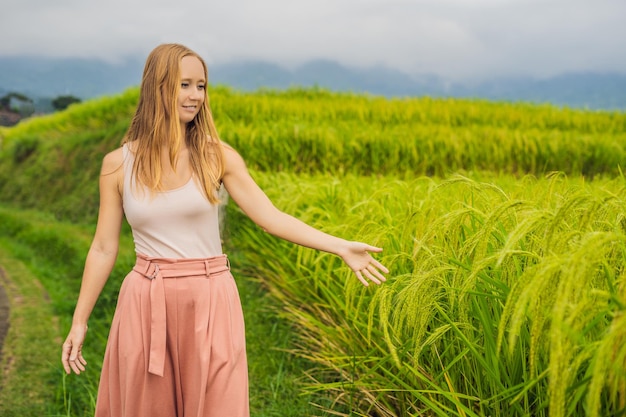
[372,269]
[76,364]
[380,266]
[74,367]
[371,277]
[370,248]
[65,356]
[80,365]
[360,277]
[81,359]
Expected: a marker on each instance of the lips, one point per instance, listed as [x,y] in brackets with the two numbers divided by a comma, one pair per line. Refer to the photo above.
[190,109]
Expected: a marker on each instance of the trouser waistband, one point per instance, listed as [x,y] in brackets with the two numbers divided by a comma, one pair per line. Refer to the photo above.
[156,269]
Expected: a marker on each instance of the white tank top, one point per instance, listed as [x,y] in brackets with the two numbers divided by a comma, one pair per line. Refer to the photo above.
[178,223]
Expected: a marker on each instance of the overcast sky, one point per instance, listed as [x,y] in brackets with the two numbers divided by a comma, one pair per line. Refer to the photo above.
[450,38]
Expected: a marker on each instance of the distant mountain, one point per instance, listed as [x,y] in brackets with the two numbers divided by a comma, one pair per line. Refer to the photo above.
[577,90]
[44,78]
[325,74]
[50,77]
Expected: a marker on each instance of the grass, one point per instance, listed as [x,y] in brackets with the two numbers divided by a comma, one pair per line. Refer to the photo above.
[499,300]
[500,297]
[275,375]
[29,355]
[507,297]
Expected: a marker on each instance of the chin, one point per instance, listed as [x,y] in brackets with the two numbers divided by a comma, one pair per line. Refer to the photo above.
[187,119]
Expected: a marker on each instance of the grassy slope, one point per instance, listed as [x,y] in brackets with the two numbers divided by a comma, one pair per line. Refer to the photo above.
[51,163]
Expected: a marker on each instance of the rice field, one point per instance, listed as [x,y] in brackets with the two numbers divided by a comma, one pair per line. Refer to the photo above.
[503,225]
[506,296]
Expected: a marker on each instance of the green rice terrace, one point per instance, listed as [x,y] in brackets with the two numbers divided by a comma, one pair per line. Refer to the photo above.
[503,226]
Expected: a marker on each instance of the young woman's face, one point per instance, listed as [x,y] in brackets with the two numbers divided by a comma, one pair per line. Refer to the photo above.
[192,88]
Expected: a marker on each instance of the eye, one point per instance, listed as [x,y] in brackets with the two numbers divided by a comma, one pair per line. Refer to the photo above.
[201,87]
[184,85]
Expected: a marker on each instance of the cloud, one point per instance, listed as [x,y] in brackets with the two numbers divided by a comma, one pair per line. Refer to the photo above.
[453,38]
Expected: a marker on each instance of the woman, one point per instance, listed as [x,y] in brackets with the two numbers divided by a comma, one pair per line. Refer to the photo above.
[176,345]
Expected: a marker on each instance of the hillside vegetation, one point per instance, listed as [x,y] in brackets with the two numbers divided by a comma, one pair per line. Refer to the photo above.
[308,131]
[504,226]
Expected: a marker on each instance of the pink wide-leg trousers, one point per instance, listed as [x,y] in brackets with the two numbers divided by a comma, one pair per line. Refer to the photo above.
[176,347]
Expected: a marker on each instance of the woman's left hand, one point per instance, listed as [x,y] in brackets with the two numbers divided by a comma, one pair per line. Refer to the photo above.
[356,255]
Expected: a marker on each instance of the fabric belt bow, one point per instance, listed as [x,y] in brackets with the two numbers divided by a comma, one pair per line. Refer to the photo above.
[156,269]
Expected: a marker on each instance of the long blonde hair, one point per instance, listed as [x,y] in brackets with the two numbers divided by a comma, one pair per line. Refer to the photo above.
[156,124]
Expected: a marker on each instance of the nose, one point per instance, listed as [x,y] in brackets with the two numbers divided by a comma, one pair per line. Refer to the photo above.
[196,95]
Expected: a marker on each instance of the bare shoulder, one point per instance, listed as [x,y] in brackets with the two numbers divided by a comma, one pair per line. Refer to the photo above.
[113,161]
[112,171]
[232,160]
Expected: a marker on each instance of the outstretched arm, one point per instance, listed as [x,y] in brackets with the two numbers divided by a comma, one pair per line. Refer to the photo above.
[99,263]
[253,201]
